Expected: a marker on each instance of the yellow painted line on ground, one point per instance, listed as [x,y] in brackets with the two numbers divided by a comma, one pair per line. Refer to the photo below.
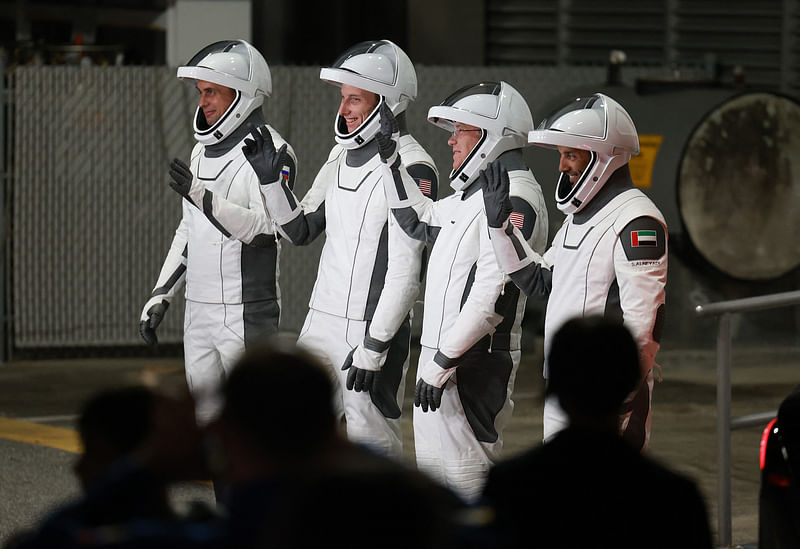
[41,435]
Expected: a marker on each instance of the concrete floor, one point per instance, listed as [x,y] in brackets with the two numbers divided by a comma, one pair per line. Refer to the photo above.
[35,476]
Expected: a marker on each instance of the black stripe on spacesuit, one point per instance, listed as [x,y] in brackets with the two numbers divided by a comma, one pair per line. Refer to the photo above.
[443,361]
[161,290]
[533,280]
[378,273]
[468,285]
[260,320]
[303,229]
[515,241]
[482,385]
[658,326]
[208,210]
[613,308]
[387,382]
[413,227]
[375,345]
[398,180]
[259,277]
[635,432]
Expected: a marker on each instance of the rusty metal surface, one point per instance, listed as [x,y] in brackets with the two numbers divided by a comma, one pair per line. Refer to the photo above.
[739,186]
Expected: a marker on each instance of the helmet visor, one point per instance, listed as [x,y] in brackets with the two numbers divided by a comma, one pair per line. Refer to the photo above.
[583,116]
[481,99]
[375,60]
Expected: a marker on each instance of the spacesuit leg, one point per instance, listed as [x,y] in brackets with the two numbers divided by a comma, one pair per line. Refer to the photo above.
[366,424]
[319,334]
[203,365]
[446,447]
[555,418]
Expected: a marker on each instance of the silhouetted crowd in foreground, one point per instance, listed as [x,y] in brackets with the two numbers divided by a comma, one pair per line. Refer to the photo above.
[287,477]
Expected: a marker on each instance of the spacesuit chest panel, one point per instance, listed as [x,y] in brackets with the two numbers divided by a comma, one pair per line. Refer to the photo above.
[355,215]
[456,251]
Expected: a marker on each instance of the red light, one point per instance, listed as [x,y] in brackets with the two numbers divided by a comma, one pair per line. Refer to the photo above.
[779,480]
[764,439]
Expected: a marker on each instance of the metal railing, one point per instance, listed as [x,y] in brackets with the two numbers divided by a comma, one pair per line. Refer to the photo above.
[725,423]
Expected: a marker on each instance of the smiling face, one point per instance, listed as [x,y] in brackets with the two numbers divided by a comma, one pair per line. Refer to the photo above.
[463,139]
[356,106]
[573,162]
[214,100]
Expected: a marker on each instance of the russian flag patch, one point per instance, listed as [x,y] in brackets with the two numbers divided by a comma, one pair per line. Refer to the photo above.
[643,238]
[285,174]
[517,219]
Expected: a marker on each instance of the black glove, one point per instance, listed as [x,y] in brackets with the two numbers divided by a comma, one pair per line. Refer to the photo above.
[265,160]
[388,134]
[151,318]
[427,396]
[181,177]
[358,379]
[496,200]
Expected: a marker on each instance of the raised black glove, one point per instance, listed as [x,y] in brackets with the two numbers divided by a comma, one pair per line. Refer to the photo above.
[261,154]
[152,315]
[388,135]
[181,177]
[496,200]
[427,396]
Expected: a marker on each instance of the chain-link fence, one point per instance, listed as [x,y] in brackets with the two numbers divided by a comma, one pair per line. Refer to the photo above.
[90,214]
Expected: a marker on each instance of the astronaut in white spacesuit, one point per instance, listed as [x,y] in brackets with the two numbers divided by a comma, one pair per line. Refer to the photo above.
[471,328]
[368,278]
[610,255]
[224,250]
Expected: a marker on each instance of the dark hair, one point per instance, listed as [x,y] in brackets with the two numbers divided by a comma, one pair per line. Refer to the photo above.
[282,399]
[593,365]
[122,417]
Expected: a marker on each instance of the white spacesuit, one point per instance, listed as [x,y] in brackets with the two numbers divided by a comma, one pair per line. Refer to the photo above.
[610,255]
[224,248]
[369,273]
[471,326]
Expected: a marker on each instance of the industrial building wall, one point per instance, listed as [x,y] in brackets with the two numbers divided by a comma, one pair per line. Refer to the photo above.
[91,215]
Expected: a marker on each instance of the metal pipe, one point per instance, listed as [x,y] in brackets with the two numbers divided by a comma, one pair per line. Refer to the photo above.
[753,420]
[724,430]
[749,304]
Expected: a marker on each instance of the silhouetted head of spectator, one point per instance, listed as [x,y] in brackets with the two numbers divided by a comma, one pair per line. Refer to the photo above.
[593,366]
[278,409]
[112,424]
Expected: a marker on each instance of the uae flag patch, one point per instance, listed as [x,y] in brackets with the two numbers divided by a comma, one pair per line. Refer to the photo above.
[517,219]
[643,238]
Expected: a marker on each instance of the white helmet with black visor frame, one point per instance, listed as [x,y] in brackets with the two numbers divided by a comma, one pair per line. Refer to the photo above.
[235,64]
[599,125]
[498,110]
[379,67]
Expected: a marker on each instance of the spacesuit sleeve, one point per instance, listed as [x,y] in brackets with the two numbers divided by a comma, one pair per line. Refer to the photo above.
[402,281]
[477,316]
[415,213]
[299,221]
[532,273]
[640,264]
[248,224]
[173,270]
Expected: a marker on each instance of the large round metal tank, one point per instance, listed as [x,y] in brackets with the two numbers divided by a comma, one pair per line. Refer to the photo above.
[726,173]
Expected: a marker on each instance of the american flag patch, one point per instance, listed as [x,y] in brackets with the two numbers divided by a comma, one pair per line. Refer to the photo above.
[517,219]
[285,173]
[425,186]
